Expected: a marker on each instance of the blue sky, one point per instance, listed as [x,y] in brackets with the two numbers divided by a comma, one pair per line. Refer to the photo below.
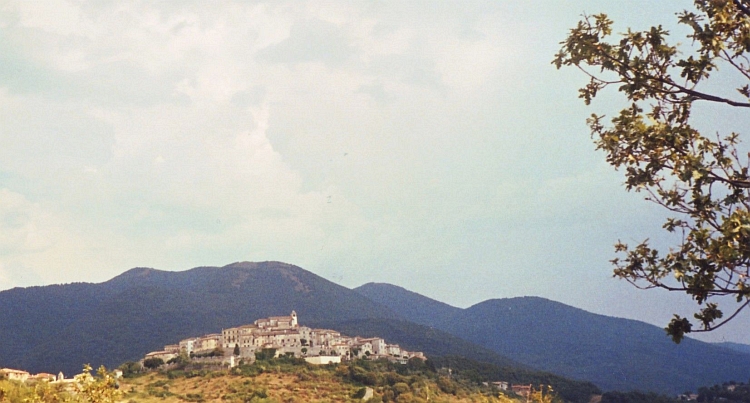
[430,145]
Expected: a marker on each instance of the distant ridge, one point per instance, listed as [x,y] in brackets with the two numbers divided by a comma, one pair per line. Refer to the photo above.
[61,327]
[614,353]
[740,347]
[412,306]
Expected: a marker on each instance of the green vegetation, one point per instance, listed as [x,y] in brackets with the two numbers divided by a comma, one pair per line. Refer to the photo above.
[288,379]
[87,388]
[702,180]
[265,354]
[216,352]
[477,372]
[731,392]
[636,397]
[153,363]
[130,369]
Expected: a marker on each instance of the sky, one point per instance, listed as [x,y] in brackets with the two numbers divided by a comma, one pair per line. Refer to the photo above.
[427,144]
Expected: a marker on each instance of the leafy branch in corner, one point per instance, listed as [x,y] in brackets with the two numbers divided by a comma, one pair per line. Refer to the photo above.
[701,180]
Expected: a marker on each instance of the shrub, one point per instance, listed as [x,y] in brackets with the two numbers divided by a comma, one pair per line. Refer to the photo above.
[360,393]
[446,385]
[153,363]
[400,388]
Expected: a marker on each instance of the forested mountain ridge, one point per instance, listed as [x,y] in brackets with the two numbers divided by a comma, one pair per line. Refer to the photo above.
[614,353]
[411,306]
[60,327]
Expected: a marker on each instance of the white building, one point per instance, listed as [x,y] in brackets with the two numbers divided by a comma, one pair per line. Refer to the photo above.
[15,374]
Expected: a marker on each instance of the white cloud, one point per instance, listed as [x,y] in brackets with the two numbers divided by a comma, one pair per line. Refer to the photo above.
[57,17]
[40,244]
[5,282]
[24,227]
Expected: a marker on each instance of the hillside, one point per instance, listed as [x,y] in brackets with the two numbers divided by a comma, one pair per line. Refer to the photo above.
[431,341]
[613,353]
[742,348]
[411,306]
[60,327]
[283,380]
[449,351]
[276,381]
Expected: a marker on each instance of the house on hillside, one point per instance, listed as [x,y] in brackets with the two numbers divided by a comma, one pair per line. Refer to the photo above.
[340,349]
[42,376]
[188,344]
[521,390]
[500,385]
[362,347]
[278,322]
[377,346]
[207,343]
[393,349]
[416,354]
[324,337]
[172,348]
[15,374]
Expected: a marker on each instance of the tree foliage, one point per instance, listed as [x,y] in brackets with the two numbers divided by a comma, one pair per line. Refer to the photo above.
[130,368]
[101,388]
[153,362]
[731,392]
[636,397]
[701,179]
[544,394]
[265,354]
[86,388]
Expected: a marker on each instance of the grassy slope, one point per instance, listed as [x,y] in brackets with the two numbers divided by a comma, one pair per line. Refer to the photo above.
[280,383]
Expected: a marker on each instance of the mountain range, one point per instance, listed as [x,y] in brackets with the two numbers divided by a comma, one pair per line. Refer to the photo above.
[60,327]
[613,353]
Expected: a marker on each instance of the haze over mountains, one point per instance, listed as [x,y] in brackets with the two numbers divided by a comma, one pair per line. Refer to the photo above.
[60,327]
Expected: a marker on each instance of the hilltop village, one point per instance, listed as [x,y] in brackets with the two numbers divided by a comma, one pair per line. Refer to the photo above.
[287,337]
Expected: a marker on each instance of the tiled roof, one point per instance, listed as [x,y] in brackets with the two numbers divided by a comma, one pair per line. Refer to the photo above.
[13,371]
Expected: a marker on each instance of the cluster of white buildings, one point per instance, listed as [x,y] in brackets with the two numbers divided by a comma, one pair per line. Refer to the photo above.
[287,337]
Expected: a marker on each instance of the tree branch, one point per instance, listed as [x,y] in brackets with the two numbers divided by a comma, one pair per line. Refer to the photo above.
[742,7]
[739,68]
[718,292]
[733,182]
[708,329]
[670,82]
[709,97]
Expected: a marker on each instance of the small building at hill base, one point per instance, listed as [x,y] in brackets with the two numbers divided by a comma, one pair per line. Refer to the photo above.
[522,390]
[15,374]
